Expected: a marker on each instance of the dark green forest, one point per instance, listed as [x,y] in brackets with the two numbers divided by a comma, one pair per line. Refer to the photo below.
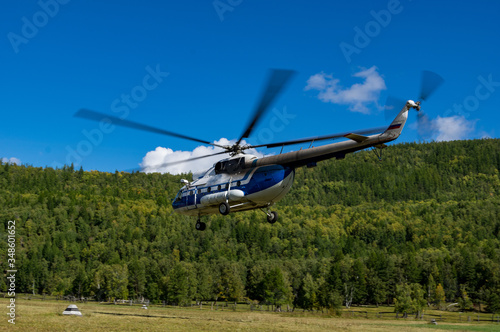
[420,227]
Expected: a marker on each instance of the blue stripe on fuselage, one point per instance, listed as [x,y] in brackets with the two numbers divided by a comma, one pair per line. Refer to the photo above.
[263,178]
[266,177]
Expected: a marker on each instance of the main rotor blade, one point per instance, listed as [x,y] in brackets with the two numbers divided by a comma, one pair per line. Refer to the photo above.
[319,138]
[183,161]
[96,116]
[276,81]
[430,82]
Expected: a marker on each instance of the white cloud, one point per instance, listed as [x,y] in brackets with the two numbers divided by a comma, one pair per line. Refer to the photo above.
[447,128]
[485,135]
[357,96]
[155,161]
[452,128]
[318,81]
[11,161]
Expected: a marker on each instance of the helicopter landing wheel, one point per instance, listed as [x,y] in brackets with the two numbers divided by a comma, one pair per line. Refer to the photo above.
[224,208]
[272,217]
[200,226]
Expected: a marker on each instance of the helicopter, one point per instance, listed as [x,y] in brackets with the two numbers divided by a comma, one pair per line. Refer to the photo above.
[242,181]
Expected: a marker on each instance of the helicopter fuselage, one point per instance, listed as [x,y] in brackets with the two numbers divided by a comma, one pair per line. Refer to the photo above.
[245,182]
[246,189]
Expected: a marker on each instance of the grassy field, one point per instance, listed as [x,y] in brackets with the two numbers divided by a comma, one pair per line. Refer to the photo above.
[37,315]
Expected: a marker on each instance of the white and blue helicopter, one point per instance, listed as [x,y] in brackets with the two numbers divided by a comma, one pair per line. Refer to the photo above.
[244,182]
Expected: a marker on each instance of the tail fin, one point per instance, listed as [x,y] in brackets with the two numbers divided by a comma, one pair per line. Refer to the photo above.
[397,125]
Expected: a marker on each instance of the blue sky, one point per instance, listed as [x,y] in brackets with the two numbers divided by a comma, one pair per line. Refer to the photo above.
[197,67]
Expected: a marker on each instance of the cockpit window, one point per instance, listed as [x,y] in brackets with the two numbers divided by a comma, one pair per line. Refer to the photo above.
[229,166]
[210,172]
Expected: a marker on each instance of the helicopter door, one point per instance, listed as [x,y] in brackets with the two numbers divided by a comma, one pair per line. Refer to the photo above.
[191,199]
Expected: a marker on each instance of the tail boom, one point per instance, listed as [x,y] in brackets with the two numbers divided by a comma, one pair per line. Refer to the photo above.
[338,150]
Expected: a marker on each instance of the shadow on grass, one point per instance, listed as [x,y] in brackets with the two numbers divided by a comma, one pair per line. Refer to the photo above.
[138,315]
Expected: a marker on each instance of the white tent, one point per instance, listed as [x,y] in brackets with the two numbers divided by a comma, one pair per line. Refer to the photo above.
[72,309]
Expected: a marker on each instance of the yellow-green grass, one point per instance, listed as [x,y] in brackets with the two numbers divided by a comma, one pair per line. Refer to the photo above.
[438,315]
[37,315]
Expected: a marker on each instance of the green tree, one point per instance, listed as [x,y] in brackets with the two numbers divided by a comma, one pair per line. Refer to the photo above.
[110,282]
[409,299]
[403,300]
[81,283]
[204,282]
[329,297]
[256,275]
[377,292]
[493,301]
[439,297]
[137,277]
[464,302]
[309,294]
[179,285]
[277,290]
[119,281]
[229,285]
[431,290]
[419,302]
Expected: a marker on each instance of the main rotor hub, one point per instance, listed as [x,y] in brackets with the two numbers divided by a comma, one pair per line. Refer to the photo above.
[233,150]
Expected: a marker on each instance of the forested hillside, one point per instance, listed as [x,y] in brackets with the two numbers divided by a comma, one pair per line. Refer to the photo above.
[424,223]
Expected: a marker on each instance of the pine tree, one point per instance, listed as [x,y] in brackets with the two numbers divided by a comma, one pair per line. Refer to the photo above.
[276,288]
[439,296]
[464,302]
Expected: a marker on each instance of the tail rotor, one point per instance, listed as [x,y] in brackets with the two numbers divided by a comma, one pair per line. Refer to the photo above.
[430,82]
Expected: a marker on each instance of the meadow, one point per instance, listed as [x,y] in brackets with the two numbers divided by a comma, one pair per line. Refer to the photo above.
[38,315]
